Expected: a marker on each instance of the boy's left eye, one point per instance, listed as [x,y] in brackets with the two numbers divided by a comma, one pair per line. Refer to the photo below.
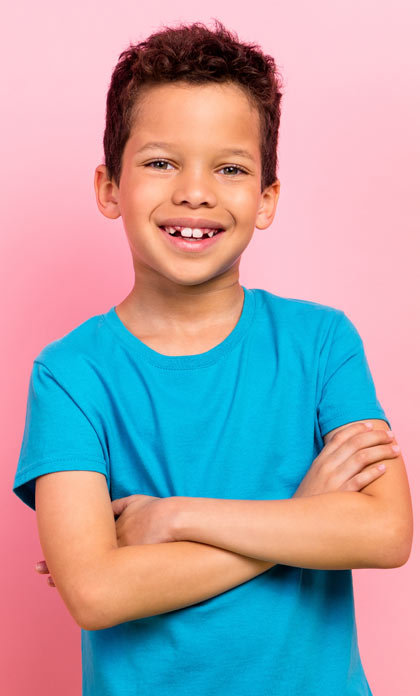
[233,166]
[228,166]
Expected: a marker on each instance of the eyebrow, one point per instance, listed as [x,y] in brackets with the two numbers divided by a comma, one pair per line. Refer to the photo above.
[157,145]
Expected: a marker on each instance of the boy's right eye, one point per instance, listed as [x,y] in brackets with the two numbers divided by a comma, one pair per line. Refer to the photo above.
[157,161]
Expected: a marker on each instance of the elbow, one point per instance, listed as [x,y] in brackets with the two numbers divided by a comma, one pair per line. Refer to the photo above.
[91,616]
[84,611]
[91,623]
[101,604]
[88,618]
[92,613]
[88,602]
[397,545]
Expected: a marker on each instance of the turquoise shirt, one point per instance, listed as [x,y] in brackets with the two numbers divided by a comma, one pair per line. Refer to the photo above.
[243,420]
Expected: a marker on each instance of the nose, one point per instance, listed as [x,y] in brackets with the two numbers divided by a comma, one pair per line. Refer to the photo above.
[195,189]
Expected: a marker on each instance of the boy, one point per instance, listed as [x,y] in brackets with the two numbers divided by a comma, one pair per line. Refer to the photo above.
[197,411]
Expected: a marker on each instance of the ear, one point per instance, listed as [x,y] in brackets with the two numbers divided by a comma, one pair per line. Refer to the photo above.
[268,205]
[106,190]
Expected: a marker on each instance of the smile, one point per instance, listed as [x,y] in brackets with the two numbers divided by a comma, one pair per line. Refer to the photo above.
[191,232]
[191,239]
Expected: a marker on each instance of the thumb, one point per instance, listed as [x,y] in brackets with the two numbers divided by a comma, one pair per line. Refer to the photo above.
[119,504]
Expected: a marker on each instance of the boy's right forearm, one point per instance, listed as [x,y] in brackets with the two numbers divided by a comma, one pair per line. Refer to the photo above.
[132,582]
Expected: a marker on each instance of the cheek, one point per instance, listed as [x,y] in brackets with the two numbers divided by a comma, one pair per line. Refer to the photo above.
[244,200]
[139,197]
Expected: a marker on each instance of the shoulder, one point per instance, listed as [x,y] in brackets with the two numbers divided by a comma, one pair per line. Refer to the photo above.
[299,315]
[73,355]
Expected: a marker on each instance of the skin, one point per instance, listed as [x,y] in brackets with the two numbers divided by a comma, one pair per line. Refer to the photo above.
[182,302]
[143,519]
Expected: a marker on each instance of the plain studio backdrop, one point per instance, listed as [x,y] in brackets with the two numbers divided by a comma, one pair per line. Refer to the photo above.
[346,234]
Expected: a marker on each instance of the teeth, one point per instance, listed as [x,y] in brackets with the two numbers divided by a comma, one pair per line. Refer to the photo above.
[195,232]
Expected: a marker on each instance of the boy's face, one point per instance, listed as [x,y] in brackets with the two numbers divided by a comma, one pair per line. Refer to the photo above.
[198,180]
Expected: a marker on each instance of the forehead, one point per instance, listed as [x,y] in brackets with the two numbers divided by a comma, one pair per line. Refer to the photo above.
[196,117]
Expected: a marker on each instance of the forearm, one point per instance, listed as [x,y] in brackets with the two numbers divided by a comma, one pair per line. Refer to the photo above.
[132,582]
[331,531]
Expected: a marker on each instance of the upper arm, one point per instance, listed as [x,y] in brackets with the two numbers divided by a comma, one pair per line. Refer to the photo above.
[76,529]
[392,491]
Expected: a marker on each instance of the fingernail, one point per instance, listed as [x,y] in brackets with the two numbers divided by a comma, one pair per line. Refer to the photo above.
[38,566]
[368,424]
[396,448]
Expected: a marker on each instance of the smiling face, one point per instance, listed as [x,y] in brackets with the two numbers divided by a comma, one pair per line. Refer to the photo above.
[192,173]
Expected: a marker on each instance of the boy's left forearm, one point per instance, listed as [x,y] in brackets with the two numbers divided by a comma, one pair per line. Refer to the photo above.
[331,531]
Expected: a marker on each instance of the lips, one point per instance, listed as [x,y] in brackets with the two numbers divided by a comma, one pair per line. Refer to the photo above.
[190,244]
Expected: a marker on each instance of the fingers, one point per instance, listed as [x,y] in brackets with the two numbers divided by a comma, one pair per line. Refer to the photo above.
[42,568]
[364,478]
[364,457]
[370,455]
[351,458]
[358,439]
[367,448]
[346,433]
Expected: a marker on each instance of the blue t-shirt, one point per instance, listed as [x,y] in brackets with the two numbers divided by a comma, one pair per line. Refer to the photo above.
[243,420]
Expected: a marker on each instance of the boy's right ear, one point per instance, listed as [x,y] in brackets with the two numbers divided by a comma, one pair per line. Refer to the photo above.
[106,190]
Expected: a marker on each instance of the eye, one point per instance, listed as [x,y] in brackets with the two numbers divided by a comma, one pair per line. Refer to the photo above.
[158,162]
[229,166]
[233,166]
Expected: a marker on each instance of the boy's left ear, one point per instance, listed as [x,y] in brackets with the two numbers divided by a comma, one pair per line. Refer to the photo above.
[268,205]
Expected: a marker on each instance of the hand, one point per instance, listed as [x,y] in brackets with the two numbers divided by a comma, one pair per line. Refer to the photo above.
[143,519]
[348,461]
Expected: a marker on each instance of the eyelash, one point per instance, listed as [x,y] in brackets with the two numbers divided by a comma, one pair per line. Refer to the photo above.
[228,166]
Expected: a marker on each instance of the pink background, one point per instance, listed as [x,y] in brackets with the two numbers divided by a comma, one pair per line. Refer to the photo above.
[346,234]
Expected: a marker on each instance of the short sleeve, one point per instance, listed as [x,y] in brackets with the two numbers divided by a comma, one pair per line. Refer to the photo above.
[58,435]
[348,392]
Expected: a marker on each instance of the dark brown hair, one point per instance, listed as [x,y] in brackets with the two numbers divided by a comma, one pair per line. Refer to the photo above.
[195,54]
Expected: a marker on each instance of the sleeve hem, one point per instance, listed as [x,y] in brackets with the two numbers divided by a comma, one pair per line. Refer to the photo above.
[24,484]
[46,462]
[343,418]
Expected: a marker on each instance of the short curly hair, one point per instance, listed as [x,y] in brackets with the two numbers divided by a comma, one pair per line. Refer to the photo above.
[195,54]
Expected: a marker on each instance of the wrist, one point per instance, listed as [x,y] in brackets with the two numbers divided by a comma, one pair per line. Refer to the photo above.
[177,518]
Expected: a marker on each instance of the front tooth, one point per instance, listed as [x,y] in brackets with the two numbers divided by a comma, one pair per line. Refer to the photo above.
[197,232]
[186,232]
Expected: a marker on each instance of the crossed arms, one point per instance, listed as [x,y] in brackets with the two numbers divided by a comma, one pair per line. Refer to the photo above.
[229,542]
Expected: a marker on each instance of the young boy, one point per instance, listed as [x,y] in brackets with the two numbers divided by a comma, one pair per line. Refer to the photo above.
[222,425]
